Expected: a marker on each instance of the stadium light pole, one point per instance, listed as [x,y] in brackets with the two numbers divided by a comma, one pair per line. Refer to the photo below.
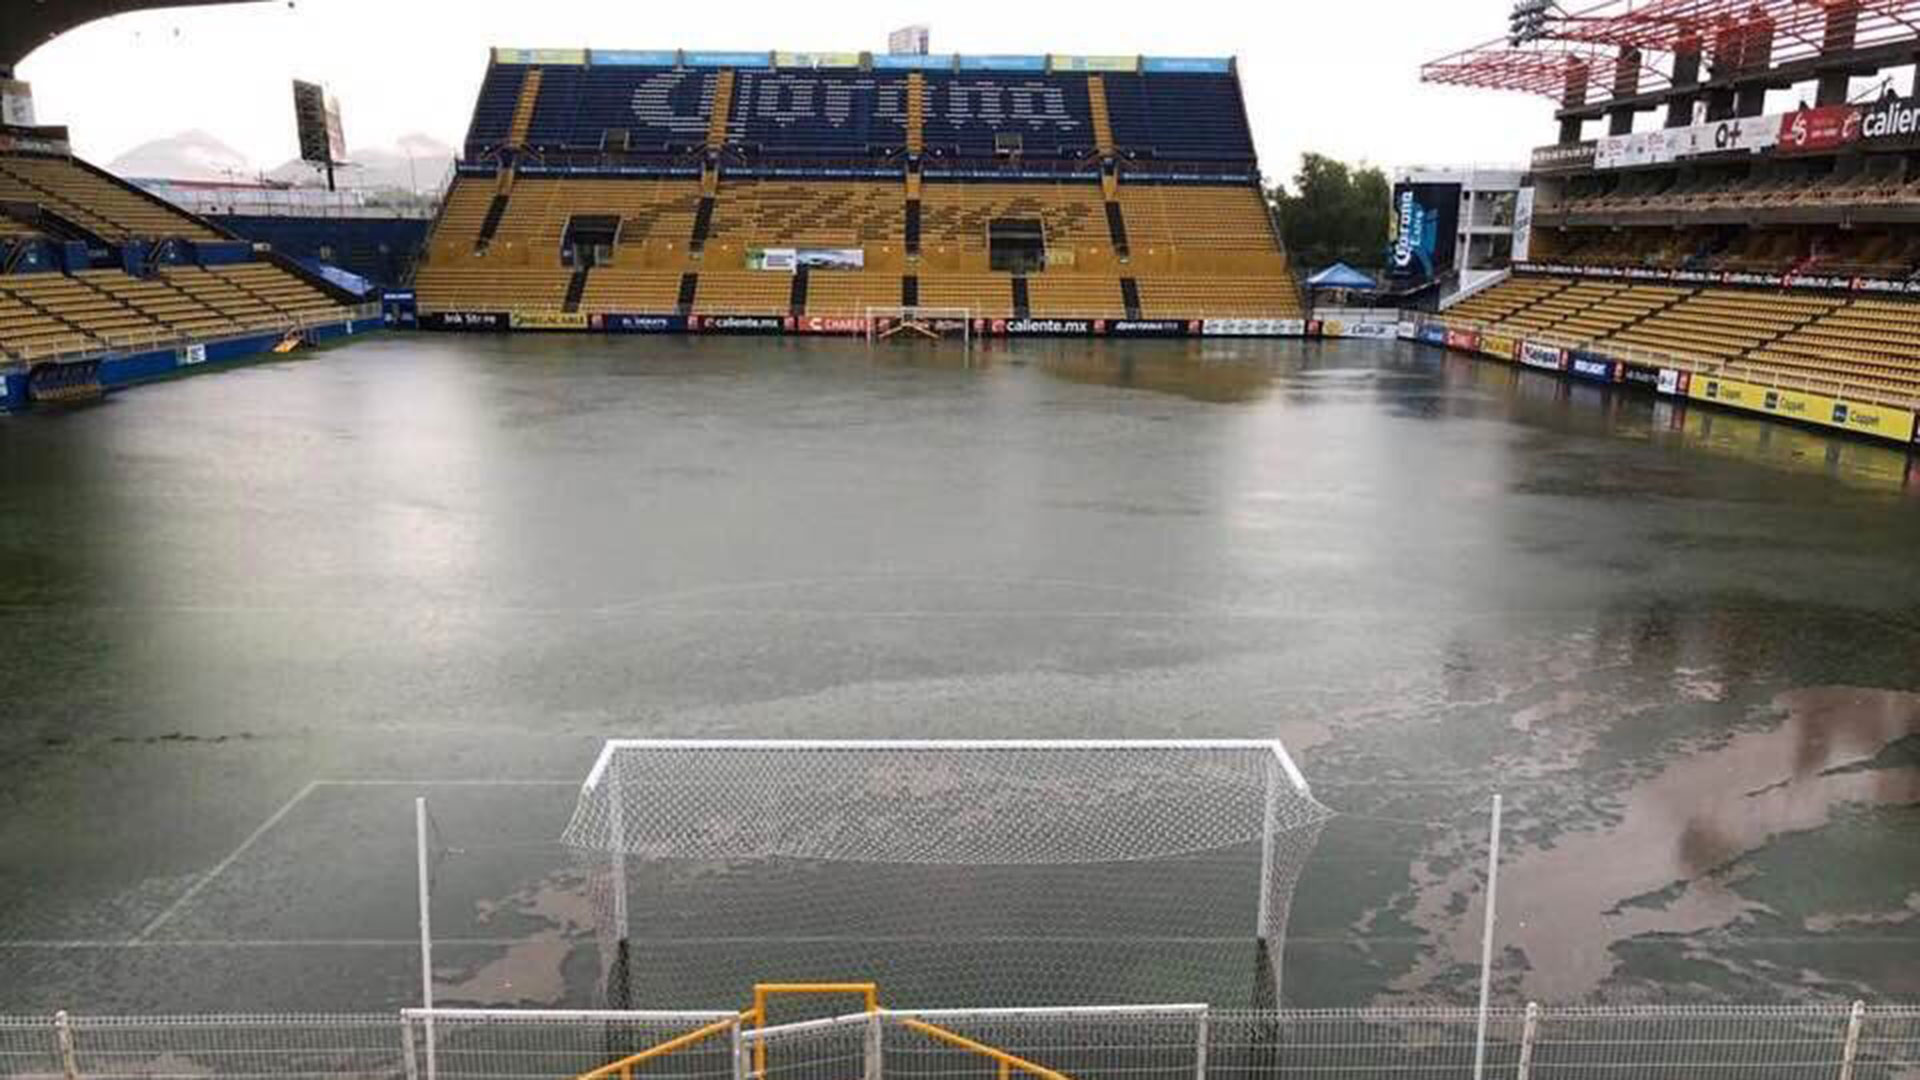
[1486,943]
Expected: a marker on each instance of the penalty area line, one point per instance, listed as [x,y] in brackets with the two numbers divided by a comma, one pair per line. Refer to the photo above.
[220,867]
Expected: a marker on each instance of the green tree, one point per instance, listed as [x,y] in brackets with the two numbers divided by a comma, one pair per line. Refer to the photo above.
[1333,212]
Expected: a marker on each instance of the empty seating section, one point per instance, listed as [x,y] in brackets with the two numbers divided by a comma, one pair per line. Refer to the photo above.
[95,202]
[1179,117]
[651,212]
[1866,343]
[1836,343]
[98,315]
[1181,216]
[611,289]
[849,294]
[988,296]
[1720,324]
[94,310]
[1195,249]
[444,287]
[956,216]
[162,304]
[846,114]
[743,292]
[1219,297]
[972,114]
[1085,295]
[1505,300]
[28,332]
[823,214]
[462,214]
[660,109]
[493,113]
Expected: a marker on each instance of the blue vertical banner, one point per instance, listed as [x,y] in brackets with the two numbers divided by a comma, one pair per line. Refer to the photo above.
[1426,218]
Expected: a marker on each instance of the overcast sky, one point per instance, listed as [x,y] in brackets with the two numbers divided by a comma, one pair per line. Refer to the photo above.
[1341,78]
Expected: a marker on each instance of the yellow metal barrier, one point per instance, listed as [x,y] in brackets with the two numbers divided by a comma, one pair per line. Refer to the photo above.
[624,1067]
[757,1016]
[1007,1062]
[762,991]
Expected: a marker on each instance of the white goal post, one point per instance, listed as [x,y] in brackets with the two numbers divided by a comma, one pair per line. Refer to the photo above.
[921,323]
[955,873]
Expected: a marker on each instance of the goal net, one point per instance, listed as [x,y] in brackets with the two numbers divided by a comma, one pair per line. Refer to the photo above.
[953,873]
[920,324]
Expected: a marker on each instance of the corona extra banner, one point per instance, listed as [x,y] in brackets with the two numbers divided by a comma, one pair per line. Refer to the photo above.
[1426,219]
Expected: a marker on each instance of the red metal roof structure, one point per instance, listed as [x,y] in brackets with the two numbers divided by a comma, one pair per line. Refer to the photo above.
[1791,30]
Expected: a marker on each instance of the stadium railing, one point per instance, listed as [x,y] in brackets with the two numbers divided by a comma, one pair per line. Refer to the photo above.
[132,343]
[1791,1042]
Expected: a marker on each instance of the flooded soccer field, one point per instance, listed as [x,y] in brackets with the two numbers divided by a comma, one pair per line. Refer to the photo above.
[247,617]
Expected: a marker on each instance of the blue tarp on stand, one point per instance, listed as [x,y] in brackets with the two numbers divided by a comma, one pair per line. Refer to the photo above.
[1340,276]
[343,279]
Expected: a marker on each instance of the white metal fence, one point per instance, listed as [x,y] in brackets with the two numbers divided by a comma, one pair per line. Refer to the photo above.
[1171,1042]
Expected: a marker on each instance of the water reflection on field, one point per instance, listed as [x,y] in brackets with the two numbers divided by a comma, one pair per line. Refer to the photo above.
[282,600]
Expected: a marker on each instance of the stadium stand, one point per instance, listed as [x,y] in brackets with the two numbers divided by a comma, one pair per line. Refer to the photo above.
[1703,233]
[91,268]
[654,182]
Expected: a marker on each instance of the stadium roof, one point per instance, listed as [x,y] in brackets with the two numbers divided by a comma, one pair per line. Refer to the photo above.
[1623,42]
[30,24]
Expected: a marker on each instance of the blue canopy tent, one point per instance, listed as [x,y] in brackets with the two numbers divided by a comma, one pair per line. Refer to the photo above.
[1341,276]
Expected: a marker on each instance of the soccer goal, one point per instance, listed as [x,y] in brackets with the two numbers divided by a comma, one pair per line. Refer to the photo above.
[920,324]
[953,873]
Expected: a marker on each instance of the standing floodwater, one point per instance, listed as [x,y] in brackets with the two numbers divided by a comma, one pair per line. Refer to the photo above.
[245,618]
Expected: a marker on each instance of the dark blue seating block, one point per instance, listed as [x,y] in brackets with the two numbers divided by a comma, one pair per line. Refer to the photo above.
[493,113]
[824,113]
[1052,114]
[1184,117]
[658,108]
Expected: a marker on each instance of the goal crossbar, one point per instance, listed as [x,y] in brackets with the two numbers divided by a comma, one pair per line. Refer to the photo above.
[888,322]
[1278,749]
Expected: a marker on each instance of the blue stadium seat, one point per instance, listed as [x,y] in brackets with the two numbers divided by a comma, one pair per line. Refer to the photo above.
[1179,117]
[659,108]
[493,114]
[847,114]
[965,112]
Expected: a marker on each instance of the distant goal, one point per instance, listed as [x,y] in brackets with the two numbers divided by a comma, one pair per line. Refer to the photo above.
[891,324]
[1034,873]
